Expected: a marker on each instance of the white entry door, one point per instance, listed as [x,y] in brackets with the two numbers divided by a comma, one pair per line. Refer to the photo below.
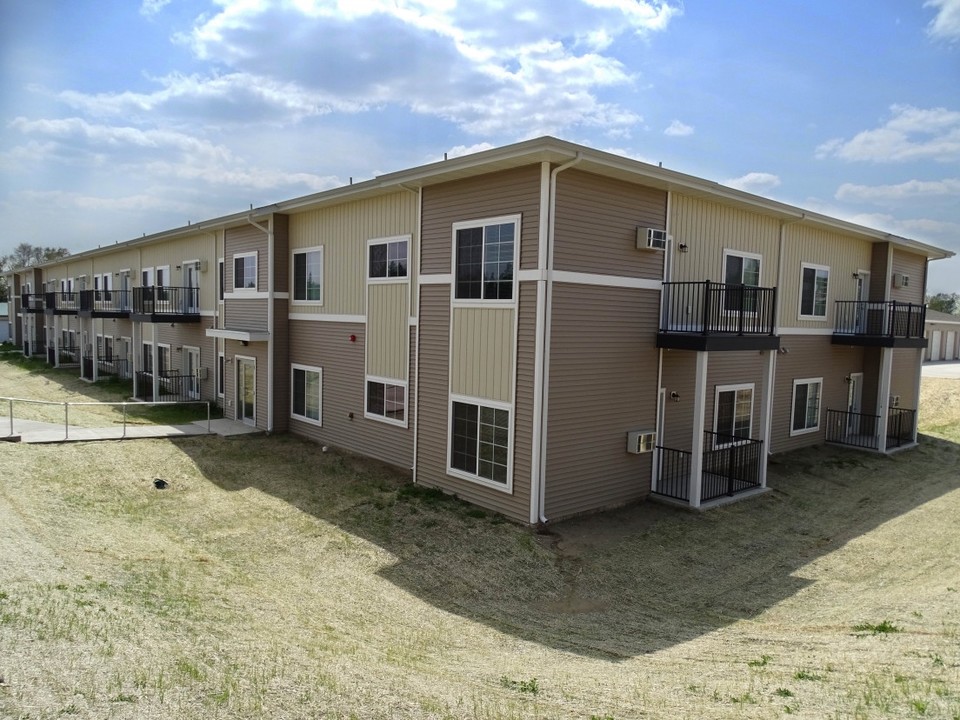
[247,390]
[191,281]
[191,368]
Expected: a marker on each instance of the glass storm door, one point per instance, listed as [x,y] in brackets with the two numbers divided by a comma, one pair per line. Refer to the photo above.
[191,368]
[247,391]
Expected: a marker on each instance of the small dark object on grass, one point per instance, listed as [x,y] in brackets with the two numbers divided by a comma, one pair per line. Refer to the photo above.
[160,483]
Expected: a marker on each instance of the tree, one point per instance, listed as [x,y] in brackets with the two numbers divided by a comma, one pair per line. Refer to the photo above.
[945,302]
[25,255]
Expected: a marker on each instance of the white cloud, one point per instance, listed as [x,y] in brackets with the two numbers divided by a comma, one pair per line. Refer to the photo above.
[946,25]
[918,228]
[903,191]
[149,8]
[754,182]
[128,203]
[678,129]
[910,134]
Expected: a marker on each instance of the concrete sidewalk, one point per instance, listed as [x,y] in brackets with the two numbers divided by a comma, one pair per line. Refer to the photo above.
[949,369]
[34,431]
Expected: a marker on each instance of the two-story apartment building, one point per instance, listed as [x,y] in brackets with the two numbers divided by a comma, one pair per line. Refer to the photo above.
[543,329]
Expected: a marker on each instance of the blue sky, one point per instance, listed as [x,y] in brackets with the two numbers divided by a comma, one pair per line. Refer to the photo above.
[119,118]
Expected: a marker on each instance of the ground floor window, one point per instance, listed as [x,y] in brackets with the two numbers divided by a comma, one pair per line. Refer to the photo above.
[480,441]
[806,405]
[733,412]
[307,394]
[387,400]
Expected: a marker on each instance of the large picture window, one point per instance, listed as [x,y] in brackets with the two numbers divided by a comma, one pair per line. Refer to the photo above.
[814,281]
[308,275]
[387,260]
[805,417]
[480,442]
[386,400]
[245,271]
[307,393]
[484,259]
[740,269]
[733,413]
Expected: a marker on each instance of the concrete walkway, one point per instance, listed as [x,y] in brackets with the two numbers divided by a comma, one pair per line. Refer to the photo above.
[34,431]
[950,369]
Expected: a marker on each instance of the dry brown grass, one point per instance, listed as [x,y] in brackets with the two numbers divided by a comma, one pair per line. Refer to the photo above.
[272,580]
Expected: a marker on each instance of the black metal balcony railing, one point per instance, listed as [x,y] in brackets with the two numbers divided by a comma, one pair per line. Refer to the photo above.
[105,301]
[31,302]
[717,308]
[61,301]
[730,465]
[860,429]
[880,319]
[673,478]
[166,301]
[171,386]
[69,355]
[113,366]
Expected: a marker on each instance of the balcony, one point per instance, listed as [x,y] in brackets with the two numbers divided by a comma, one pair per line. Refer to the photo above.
[61,303]
[731,465]
[31,302]
[110,365]
[166,304]
[172,386]
[861,430]
[879,324]
[105,303]
[715,316]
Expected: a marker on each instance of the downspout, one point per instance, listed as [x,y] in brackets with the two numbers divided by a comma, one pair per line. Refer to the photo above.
[270,311]
[415,288]
[667,275]
[548,313]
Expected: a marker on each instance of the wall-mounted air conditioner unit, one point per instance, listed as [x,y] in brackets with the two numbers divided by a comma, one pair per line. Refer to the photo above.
[641,441]
[201,373]
[894,401]
[651,239]
[900,280]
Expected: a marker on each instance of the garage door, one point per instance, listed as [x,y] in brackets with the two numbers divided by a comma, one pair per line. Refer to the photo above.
[950,348]
[935,346]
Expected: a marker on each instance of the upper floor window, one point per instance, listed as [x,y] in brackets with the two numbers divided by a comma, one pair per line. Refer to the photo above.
[245,271]
[387,259]
[308,275]
[814,280]
[306,397]
[740,268]
[484,258]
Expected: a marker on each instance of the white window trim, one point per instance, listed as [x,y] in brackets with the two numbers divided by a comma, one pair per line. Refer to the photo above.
[716,408]
[408,239]
[303,418]
[149,271]
[256,271]
[481,402]
[793,405]
[482,302]
[165,270]
[826,302]
[384,418]
[293,279]
[741,254]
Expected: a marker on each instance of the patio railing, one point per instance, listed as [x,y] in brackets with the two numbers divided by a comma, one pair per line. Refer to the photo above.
[708,308]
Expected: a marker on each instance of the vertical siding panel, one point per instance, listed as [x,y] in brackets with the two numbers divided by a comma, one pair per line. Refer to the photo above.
[387,330]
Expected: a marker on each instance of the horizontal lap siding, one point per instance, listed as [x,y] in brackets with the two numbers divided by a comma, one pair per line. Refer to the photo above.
[432,428]
[903,378]
[502,193]
[327,345]
[596,225]
[281,257]
[245,314]
[734,368]
[879,282]
[281,366]
[194,335]
[914,266]
[680,377]
[258,351]
[603,383]
[245,239]
[811,357]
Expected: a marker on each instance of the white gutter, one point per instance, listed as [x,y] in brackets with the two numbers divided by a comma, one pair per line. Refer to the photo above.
[270,312]
[548,313]
[538,342]
[415,288]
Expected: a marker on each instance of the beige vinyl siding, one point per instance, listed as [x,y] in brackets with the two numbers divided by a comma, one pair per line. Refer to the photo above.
[913,265]
[258,351]
[708,228]
[194,335]
[327,345]
[388,327]
[481,354]
[493,195]
[245,239]
[603,383]
[173,253]
[434,328]
[903,378]
[596,225]
[734,368]
[843,254]
[343,231]
[245,314]
[812,357]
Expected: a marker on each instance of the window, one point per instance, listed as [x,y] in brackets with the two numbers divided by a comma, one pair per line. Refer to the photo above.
[107,349]
[308,275]
[163,359]
[740,269]
[147,358]
[481,442]
[388,259]
[813,291]
[386,400]
[307,393]
[733,413]
[484,259]
[221,370]
[222,279]
[806,406]
[245,271]
[146,277]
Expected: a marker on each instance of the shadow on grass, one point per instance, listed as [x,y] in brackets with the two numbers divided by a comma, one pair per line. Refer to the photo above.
[613,585]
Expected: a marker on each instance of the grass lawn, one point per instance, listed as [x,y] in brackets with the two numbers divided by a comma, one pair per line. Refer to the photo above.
[272,580]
